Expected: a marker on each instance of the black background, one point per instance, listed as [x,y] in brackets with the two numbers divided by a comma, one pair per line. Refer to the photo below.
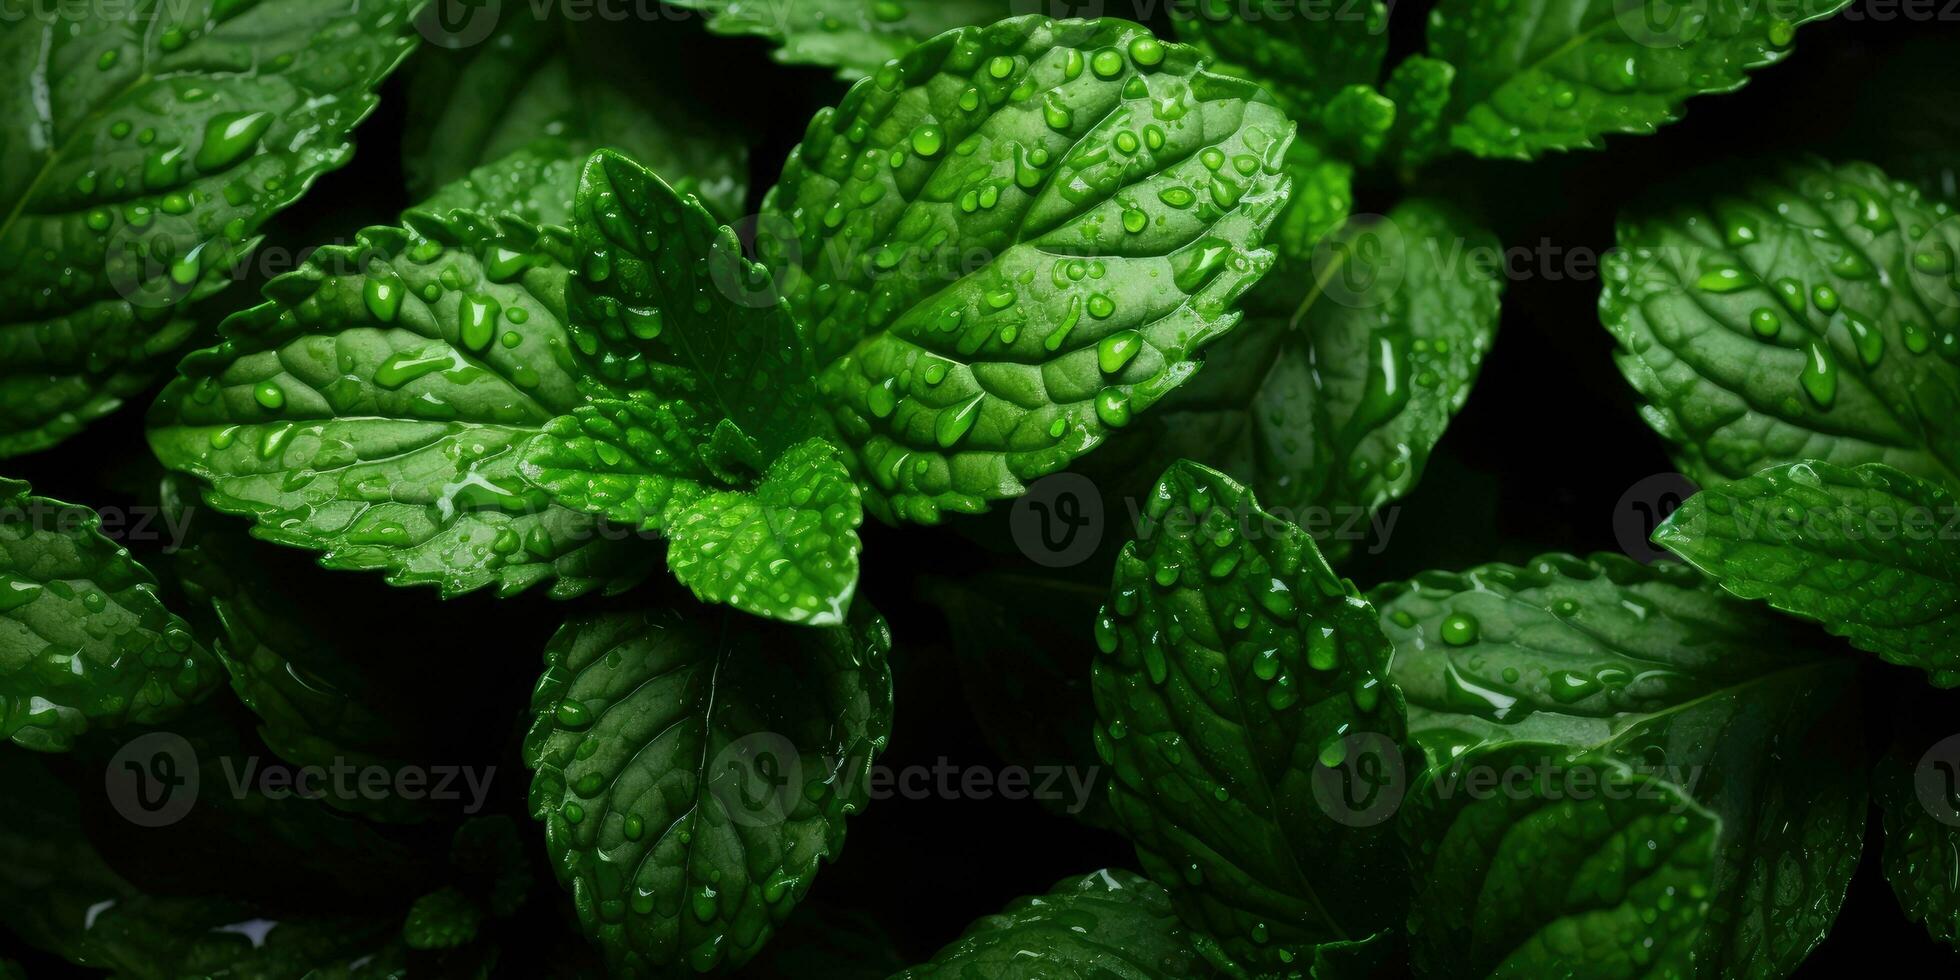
[1546,446]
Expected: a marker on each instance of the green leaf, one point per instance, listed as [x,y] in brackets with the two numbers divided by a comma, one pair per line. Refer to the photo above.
[1657,668]
[984,312]
[1862,550]
[534,184]
[1238,666]
[142,154]
[1570,866]
[1105,925]
[591,81]
[1330,399]
[788,550]
[1303,55]
[57,893]
[853,36]
[444,919]
[373,410]
[694,768]
[1420,89]
[84,642]
[1559,74]
[1790,316]
[1921,811]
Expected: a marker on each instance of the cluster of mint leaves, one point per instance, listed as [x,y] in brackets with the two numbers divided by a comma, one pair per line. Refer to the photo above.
[562,364]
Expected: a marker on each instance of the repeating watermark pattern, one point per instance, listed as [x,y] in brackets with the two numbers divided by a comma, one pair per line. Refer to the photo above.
[1642,509]
[1936,781]
[1270,522]
[156,780]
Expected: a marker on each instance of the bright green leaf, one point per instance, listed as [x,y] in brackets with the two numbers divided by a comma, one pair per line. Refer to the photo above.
[788,550]
[84,642]
[1302,53]
[139,157]
[853,36]
[1542,75]
[1863,550]
[695,767]
[373,410]
[1012,241]
[1420,89]
[1799,314]
[1240,673]
[1106,925]
[1657,668]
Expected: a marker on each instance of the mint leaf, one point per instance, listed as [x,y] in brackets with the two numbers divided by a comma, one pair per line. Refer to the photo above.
[591,81]
[1922,836]
[144,153]
[788,550]
[1791,317]
[1860,550]
[1330,398]
[1302,55]
[852,36]
[1061,214]
[84,641]
[373,409]
[534,184]
[1560,74]
[1106,924]
[1237,665]
[444,919]
[1420,89]
[1542,877]
[1657,668]
[693,769]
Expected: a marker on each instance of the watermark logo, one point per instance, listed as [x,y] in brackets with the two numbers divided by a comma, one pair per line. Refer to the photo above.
[757,778]
[1059,521]
[458,23]
[1936,781]
[153,780]
[1642,509]
[1361,266]
[1661,23]
[1364,786]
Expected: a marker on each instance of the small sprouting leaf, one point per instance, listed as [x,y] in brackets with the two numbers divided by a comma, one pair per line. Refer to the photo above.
[1420,89]
[1108,925]
[374,407]
[1572,866]
[1013,240]
[1656,667]
[694,767]
[145,148]
[589,81]
[1798,314]
[1304,60]
[853,36]
[1560,74]
[1241,680]
[84,641]
[1858,549]
[787,550]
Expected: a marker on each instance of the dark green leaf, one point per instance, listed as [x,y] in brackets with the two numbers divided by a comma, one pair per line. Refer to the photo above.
[535,184]
[1920,804]
[444,919]
[1559,74]
[1794,315]
[1862,550]
[139,156]
[1655,667]
[590,81]
[1302,53]
[84,642]
[694,768]
[373,410]
[1572,866]
[1057,216]
[1107,925]
[853,36]
[1240,673]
